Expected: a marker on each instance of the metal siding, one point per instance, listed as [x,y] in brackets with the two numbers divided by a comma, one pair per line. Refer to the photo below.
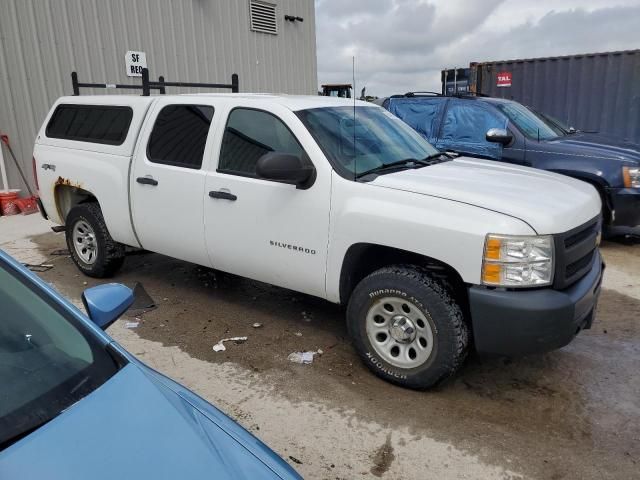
[592,92]
[42,41]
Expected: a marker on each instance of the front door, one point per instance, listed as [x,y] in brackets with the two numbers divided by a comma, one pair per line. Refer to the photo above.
[464,128]
[262,229]
[167,181]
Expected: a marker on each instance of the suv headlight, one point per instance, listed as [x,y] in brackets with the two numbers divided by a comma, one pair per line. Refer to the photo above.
[631,177]
[517,261]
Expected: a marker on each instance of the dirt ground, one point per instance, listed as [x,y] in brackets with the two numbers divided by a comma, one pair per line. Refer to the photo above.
[569,414]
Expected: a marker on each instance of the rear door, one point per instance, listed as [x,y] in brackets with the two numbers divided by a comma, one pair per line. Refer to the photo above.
[423,114]
[263,229]
[167,179]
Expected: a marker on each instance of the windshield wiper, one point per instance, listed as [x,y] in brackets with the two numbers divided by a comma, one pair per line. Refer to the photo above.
[407,163]
[438,157]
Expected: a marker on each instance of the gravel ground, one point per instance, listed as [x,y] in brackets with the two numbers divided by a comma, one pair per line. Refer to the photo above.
[569,414]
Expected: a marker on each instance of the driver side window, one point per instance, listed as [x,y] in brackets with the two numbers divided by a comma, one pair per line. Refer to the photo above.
[465,126]
[250,134]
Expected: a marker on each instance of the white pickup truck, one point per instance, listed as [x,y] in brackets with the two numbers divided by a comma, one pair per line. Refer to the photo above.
[431,254]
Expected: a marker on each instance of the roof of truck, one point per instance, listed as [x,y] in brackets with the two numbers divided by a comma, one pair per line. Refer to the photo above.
[418,97]
[292,102]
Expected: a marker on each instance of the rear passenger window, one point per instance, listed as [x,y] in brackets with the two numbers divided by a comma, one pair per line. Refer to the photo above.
[179,135]
[90,123]
[249,135]
[420,113]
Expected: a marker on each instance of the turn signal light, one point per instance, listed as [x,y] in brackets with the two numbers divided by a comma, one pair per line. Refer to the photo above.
[491,273]
[492,250]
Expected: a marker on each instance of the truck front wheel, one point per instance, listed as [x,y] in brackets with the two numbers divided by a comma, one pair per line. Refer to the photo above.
[91,247]
[407,327]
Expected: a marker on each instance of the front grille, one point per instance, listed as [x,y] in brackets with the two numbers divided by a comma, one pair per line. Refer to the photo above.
[575,250]
[578,237]
[578,265]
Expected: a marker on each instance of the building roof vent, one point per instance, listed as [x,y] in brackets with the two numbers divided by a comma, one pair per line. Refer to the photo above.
[263,17]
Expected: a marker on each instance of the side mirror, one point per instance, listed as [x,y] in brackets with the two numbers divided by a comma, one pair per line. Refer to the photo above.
[286,168]
[106,303]
[499,135]
[572,130]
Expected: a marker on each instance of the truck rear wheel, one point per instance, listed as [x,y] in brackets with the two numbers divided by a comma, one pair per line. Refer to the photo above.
[91,247]
[406,327]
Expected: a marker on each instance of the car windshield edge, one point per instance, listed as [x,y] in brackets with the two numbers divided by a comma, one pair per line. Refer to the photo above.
[364,139]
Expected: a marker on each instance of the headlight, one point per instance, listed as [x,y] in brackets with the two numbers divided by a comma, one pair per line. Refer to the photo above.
[631,177]
[517,261]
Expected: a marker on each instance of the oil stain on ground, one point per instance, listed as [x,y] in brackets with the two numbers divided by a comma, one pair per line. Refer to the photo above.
[383,458]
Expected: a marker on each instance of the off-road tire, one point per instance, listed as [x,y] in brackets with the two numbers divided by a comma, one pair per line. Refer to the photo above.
[110,254]
[450,331]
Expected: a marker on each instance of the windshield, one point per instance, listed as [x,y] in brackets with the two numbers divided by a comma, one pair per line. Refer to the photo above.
[373,139]
[47,361]
[529,123]
[566,129]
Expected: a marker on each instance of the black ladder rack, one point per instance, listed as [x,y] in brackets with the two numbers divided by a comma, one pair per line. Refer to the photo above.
[148,85]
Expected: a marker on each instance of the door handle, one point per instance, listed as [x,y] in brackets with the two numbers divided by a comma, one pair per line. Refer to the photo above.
[147,181]
[223,195]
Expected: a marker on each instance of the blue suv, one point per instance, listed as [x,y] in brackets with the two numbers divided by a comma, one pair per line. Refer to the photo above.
[508,131]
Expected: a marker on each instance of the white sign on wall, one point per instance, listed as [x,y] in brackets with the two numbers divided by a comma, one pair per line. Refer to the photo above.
[135,62]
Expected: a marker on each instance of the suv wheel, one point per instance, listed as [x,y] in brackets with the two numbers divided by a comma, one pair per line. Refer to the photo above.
[92,249]
[406,327]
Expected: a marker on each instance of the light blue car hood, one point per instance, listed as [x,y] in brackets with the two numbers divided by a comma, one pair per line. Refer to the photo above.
[141,425]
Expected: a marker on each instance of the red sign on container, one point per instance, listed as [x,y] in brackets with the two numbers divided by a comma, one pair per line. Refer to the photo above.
[504,79]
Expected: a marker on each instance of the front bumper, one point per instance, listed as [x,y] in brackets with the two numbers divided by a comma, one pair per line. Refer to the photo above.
[519,322]
[625,203]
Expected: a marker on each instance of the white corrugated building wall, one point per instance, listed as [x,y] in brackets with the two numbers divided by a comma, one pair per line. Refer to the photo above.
[43,41]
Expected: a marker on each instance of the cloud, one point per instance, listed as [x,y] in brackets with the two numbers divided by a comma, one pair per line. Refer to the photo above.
[336,9]
[401,45]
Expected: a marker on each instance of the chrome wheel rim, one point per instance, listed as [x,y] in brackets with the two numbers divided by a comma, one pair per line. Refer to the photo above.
[84,242]
[399,332]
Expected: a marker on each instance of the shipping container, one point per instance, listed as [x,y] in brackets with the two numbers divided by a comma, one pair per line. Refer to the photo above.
[456,80]
[595,92]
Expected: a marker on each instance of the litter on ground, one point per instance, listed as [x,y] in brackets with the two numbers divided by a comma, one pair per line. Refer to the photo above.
[131,324]
[143,303]
[219,347]
[43,267]
[303,357]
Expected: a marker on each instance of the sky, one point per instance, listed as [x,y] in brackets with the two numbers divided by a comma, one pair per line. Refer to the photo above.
[402,45]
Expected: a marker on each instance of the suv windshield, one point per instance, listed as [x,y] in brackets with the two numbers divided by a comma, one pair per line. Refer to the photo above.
[47,360]
[369,139]
[566,129]
[530,123]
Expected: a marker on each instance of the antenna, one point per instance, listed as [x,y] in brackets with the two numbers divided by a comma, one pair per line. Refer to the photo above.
[355,152]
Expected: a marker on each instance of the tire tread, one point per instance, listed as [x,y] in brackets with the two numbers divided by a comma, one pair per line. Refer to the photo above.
[112,253]
[454,313]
